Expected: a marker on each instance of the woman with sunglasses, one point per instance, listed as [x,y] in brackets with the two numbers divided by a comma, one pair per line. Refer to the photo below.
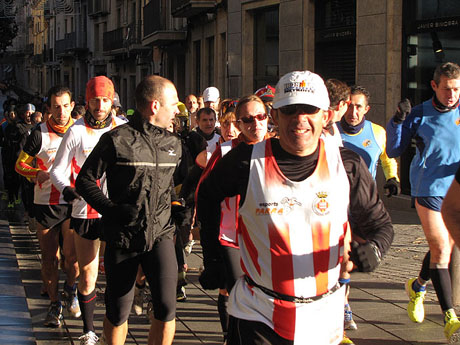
[252,121]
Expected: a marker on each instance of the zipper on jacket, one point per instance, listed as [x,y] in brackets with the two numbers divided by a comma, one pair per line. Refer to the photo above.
[154,150]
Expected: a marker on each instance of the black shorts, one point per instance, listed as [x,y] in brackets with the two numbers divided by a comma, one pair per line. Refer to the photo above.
[160,268]
[91,229]
[245,332]
[52,215]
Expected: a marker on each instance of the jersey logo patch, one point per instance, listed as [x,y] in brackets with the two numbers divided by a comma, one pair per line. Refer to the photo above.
[289,204]
[367,143]
[457,122]
[320,204]
[171,152]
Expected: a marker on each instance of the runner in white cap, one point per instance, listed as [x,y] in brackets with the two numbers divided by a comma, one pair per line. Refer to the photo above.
[293,223]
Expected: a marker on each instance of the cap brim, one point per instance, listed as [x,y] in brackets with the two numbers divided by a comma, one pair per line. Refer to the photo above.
[298,100]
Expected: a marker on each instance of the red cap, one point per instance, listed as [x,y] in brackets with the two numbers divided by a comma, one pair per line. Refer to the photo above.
[100,86]
[266,93]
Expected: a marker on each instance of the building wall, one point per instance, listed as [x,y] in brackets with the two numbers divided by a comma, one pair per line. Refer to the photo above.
[378,55]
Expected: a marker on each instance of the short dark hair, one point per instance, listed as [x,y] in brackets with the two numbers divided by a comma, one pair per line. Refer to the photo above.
[149,90]
[338,91]
[360,90]
[448,69]
[57,91]
[205,111]
[79,110]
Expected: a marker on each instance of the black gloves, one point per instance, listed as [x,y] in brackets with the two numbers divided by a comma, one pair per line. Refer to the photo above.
[211,277]
[178,210]
[366,256]
[404,108]
[70,194]
[123,214]
[391,187]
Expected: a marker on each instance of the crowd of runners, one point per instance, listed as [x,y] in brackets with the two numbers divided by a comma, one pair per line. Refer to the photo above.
[280,183]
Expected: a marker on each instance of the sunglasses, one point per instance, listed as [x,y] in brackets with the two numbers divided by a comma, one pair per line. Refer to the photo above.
[298,109]
[251,119]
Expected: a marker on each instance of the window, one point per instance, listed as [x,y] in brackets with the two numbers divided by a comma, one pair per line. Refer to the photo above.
[335,38]
[266,47]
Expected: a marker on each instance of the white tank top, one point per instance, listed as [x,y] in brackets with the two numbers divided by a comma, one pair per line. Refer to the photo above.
[291,237]
[46,193]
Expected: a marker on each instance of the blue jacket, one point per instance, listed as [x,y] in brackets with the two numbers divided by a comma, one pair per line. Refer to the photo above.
[437,138]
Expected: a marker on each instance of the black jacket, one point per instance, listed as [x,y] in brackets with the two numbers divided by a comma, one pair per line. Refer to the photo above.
[139,160]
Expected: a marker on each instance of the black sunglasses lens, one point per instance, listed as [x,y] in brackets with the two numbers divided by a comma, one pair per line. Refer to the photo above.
[299,109]
[249,119]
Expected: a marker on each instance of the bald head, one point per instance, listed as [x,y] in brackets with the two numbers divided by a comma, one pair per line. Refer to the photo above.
[151,88]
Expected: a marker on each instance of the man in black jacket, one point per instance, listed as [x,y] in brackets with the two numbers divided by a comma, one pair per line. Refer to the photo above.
[138,159]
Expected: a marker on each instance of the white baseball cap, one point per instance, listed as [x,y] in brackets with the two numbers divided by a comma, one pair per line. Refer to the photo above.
[211,94]
[301,87]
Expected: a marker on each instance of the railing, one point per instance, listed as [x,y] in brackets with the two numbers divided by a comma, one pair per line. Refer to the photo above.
[113,39]
[134,33]
[152,18]
[72,41]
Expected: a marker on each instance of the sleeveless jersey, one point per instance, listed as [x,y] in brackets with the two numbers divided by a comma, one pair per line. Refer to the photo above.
[365,144]
[76,146]
[291,237]
[46,193]
[229,207]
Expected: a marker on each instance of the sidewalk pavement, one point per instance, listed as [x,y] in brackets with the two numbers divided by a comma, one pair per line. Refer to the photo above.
[377,299]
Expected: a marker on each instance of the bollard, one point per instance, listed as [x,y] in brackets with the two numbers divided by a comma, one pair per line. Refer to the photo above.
[455,275]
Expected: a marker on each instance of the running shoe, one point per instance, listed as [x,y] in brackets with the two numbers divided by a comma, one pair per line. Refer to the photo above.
[89,338]
[346,340]
[11,205]
[452,327]
[415,308]
[138,302]
[349,323]
[71,302]
[188,247]
[180,294]
[18,201]
[54,315]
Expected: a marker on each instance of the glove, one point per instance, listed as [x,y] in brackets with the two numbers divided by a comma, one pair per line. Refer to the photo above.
[404,108]
[366,256]
[123,214]
[210,277]
[391,187]
[178,211]
[70,194]
[177,206]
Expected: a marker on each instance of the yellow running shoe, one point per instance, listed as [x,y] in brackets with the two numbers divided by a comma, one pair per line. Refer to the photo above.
[452,327]
[415,308]
[346,340]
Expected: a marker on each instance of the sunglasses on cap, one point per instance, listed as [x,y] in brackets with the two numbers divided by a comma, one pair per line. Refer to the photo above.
[251,119]
[298,109]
